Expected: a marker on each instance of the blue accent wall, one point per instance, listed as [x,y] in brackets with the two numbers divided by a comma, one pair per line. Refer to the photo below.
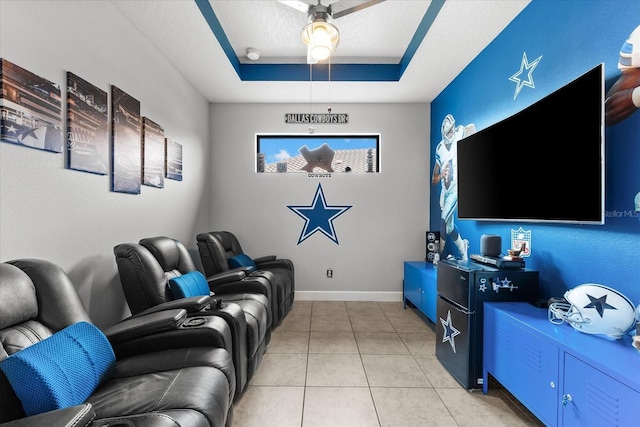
[569,38]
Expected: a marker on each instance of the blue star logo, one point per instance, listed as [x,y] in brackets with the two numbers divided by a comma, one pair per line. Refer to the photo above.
[319,217]
[529,67]
[449,331]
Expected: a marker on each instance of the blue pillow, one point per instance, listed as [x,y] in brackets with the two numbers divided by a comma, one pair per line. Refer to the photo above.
[242,260]
[189,285]
[60,371]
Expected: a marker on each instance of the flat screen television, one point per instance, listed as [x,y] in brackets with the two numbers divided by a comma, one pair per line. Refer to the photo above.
[543,164]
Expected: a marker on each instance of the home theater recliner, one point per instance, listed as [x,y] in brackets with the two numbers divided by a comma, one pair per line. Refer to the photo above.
[220,251]
[146,287]
[180,377]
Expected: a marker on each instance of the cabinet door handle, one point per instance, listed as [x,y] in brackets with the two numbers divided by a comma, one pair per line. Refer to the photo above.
[566,398]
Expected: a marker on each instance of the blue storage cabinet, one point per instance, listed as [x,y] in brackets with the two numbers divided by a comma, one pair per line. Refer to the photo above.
[420,287]
[564,377]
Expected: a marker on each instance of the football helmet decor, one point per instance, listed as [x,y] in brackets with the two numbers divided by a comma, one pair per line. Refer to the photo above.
[594,309]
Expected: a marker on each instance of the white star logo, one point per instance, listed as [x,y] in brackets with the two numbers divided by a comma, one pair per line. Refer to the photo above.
[449,331]
[525,65]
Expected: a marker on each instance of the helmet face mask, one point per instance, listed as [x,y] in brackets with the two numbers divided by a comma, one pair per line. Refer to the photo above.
[594,309]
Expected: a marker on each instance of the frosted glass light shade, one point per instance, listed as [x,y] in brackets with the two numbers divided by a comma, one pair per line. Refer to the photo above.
[321,38]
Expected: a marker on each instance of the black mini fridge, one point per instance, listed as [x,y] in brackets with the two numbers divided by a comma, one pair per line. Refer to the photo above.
[463,287]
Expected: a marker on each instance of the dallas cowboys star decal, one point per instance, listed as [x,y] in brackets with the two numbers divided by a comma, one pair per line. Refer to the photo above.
[319,217]
[529,67]
[449,331]
[600,304]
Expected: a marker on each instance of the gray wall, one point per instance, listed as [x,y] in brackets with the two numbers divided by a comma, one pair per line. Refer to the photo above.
[385,226]
[71,217]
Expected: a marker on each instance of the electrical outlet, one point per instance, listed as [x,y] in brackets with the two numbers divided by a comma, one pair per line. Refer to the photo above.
[330,273]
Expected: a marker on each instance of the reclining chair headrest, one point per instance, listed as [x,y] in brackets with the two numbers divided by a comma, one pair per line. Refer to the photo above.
[16,286]
[170,253]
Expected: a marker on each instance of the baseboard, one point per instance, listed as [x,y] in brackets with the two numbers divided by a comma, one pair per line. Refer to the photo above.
[348,296]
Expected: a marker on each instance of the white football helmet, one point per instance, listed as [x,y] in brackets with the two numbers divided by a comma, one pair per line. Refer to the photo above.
[630,51]
[594,309]
[448,129]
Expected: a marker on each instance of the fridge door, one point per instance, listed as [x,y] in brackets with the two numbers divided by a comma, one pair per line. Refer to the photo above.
[453,340]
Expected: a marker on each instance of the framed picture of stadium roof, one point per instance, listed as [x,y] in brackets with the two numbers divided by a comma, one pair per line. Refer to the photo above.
[318,154]
[30,109]
[87,126]
[173,168]
[126,144]
[153,153]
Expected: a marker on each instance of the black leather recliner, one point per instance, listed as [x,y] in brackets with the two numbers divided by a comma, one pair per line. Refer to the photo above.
[144,283]
[178,378]
[171,260]
[216,248]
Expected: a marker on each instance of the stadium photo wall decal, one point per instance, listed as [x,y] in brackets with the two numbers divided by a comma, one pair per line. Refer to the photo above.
[127,143]
[173,169]
[153,152]
[30,109]
[87,126]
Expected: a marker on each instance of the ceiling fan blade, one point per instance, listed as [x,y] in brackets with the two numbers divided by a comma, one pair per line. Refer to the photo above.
[340,8]
[298,5]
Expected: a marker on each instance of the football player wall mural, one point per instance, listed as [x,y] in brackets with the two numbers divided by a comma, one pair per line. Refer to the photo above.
[623,98]
[445,172]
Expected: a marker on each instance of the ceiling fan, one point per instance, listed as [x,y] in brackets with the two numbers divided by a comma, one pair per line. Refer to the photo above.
[320,35]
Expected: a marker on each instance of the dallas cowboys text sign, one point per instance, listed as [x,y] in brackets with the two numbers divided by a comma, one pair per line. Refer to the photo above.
[294,118]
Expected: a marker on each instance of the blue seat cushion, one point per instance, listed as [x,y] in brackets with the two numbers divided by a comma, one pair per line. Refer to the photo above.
[60,371]
[189,285]
[242,260]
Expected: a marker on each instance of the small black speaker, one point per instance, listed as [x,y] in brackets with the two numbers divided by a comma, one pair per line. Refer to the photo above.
[490,245]
[433,245]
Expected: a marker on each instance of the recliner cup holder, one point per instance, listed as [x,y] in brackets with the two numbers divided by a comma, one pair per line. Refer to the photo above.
[194,321]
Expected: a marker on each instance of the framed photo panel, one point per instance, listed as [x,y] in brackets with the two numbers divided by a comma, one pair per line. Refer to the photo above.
[30,109]
[126,144]
[87,126]
[153,153]
[173,168]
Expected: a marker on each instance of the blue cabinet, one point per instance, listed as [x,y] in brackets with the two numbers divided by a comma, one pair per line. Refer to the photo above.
[419,287]
[564,377]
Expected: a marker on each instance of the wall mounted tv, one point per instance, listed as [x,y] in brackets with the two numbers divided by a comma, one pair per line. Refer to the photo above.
[543,164]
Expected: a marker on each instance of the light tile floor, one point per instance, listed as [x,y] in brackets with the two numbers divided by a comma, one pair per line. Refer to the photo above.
[369,364]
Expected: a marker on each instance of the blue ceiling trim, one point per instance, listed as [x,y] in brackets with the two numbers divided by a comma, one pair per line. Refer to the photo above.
[214,24]
[339,72]
[320,72]
[421,32]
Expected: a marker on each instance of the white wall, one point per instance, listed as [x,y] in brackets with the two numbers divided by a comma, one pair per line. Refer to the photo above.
[385,226]
[71,217]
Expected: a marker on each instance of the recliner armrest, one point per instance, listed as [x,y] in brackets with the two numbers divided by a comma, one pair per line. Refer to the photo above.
[265,258]
[141,326]
[74,416]
[191,304]
[233,275]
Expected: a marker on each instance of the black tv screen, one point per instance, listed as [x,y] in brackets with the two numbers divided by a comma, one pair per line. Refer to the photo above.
[545,163]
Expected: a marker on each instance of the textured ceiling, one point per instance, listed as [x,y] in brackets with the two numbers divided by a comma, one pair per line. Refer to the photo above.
[422,45]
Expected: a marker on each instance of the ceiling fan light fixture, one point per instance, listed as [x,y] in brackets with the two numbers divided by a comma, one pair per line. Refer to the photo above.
[321,38]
